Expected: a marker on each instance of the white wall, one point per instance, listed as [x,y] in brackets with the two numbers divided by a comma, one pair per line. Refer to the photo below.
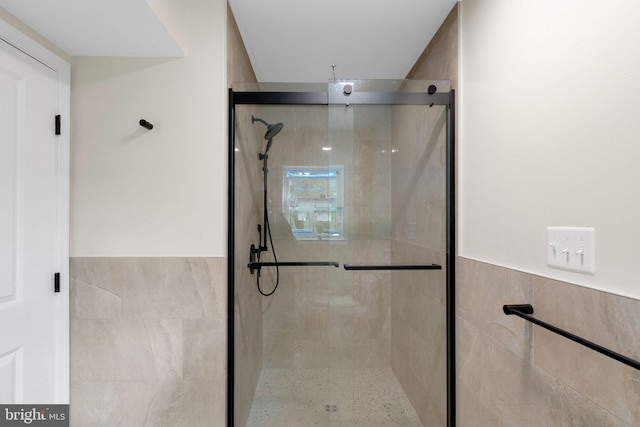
[171,14]
[550,122]
[161,192]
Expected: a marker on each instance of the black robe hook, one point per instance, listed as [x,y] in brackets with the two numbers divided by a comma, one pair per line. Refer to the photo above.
[146,124]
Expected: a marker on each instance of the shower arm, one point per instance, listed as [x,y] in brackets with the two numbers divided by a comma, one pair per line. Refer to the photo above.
[257,119]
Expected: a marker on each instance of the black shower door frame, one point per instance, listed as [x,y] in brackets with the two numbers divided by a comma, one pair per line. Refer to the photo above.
[363,98]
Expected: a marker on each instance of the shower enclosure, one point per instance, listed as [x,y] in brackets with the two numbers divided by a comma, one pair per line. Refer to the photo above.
[341,254]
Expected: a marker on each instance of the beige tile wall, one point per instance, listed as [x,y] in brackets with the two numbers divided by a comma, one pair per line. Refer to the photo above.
[418,321]
[248,303]
[248,311]
[418,332]
[418,299]
[511,372]
[239,67]
[323,316]
[148,341]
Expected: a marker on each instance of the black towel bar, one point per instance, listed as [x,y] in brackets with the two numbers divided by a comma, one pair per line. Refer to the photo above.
[259,265]
[525,311]
[393,267]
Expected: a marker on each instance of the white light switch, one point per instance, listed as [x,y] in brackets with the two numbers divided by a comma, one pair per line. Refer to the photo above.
[572,249]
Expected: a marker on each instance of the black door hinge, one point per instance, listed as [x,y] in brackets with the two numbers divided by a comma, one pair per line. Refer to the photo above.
[58,124]
[56,282]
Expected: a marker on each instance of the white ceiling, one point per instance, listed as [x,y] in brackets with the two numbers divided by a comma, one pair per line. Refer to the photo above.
[287,40]
[97,27]
[298,40]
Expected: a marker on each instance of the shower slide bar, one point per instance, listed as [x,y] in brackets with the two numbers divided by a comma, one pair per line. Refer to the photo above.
[525,311]
[393,267]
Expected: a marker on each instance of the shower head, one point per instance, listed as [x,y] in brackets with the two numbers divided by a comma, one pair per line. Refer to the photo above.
[272,130]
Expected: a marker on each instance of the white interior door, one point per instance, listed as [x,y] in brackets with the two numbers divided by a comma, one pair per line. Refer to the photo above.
[29,231]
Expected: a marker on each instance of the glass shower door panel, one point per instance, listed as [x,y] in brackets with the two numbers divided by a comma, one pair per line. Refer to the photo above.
[355,184]
[361,140]
[339,154]
[294,387]
[418,236]
[391,323]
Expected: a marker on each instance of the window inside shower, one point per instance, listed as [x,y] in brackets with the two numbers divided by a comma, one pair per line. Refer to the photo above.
[313,201]
[360,183]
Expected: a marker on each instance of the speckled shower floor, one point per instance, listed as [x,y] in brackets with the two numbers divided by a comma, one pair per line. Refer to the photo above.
[331,398]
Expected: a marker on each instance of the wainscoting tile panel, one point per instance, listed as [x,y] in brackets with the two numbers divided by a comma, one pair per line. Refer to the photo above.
[96,404]
[173,403]
[96,288]
[148,341]
[126,350]
[204,349]
[527,376]
[172,288]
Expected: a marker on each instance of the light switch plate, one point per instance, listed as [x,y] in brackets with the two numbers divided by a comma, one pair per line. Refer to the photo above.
[572,249]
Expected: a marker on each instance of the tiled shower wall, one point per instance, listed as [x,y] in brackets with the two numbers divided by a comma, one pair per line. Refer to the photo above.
[247,301]
[418,300]
[324,317]
[147,341]
[248,304]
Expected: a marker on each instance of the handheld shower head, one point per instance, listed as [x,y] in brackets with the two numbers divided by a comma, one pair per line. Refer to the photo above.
[272,130]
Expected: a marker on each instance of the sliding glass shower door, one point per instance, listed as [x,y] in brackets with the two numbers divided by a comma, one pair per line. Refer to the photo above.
[356,177]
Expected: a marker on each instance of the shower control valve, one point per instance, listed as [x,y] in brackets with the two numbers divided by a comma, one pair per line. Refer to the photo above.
[255,250]
[254,255]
